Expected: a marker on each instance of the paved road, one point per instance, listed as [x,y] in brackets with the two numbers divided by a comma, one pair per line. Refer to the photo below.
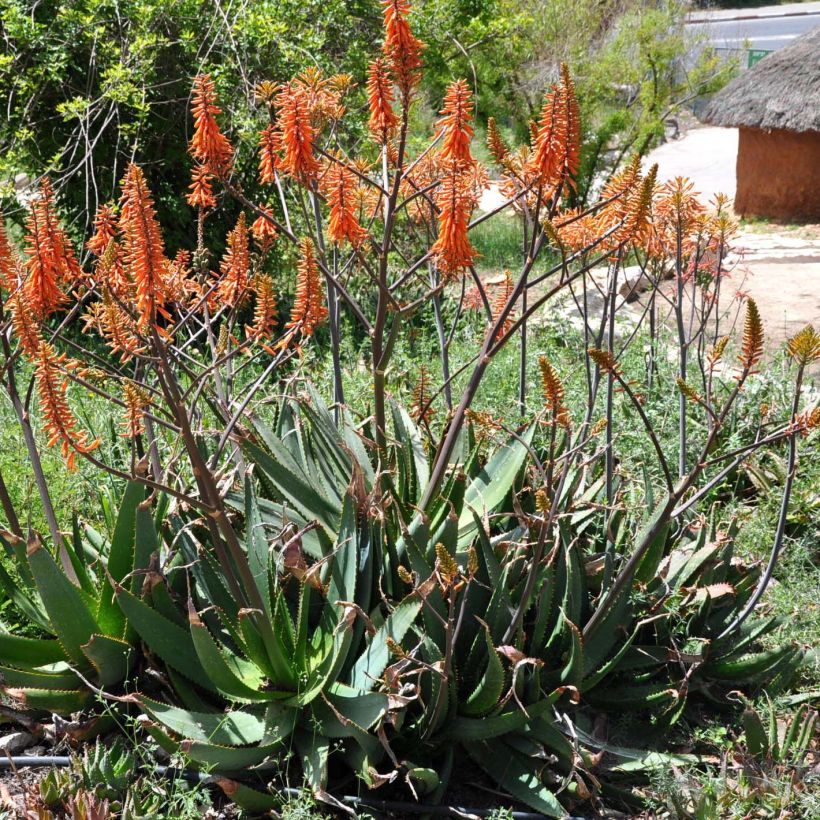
[765,30]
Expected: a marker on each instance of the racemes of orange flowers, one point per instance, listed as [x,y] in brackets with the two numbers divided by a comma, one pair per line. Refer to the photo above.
[495,142]
[9,263]
[136,401]
[264,309]
[50,260]
[201,192]
[269,145]
[309,310]
[296,134]
[264,230]
[339,186]
[60,423]
[556,151]
[382,118]
[500,298]
[209,146]
[456,123]
[455,201]
[401,47]
[234,286]
[143,249]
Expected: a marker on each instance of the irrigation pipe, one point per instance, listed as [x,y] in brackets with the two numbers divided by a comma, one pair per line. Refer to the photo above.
[390,806]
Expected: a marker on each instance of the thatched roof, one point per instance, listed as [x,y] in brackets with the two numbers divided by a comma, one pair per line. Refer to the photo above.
[781,91]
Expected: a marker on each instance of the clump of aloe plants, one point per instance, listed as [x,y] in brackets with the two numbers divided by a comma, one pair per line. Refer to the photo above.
[298,585]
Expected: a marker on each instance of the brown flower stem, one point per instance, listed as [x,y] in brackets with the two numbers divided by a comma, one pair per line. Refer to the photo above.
[8,509]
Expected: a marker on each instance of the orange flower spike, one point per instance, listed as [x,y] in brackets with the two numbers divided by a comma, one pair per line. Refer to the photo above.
[296,135]
[264,312]
[143,248]
[105,230]
[548,149]
[500,299]
[264,231]
[59,422]
[383,118]
[24,324]
[401,47]
[572,115]
[495,142]
[9,263]
[339,184]
[455,121]
[269,145]
[201,193]
[309,309]
[136,401]
[452,248]
[209,145]
[115,326]
[44,268]
[234,288]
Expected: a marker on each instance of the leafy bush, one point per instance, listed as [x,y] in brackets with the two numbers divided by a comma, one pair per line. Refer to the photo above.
[294,587]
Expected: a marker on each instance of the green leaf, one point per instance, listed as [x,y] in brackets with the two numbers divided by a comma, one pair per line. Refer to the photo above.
[120,559]
[112,658]
[492,484]
[485,696]
[256,545]
[518,775]
[30,652]
[70,615]
[370,665]
[467,729]
[224,670]
[297,491]
[163,637]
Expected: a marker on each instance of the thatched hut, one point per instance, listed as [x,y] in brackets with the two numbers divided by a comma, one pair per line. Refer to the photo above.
[776,107]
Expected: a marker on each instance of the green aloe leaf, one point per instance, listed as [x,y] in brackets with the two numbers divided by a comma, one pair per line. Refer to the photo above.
[486,694]
[112,658]
[492,484]
[69,612]
[370,665]
[30,652]
[518,775]
[163,637]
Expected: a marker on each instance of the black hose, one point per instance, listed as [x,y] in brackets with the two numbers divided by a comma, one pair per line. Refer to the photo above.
[390,806]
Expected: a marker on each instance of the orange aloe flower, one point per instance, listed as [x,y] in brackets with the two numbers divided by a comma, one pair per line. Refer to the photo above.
[264,231]
[500,299]
[495,142]
[380,100]
[9,264]
[309,309]
[136,401]
[60,423]
[209,146]
[105,230]
[452,249]
[296,135]
[24,324]
[264,311]
[201,193]
[455,121]
[234,288]
[339,186]
[556,150]
[115,326]
[269,144]
[51,261]
[401,46]
[143,248]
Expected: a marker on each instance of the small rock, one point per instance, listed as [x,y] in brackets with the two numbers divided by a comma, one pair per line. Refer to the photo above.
[15,742]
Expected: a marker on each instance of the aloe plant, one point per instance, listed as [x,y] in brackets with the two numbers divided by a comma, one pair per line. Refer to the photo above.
[89,642]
